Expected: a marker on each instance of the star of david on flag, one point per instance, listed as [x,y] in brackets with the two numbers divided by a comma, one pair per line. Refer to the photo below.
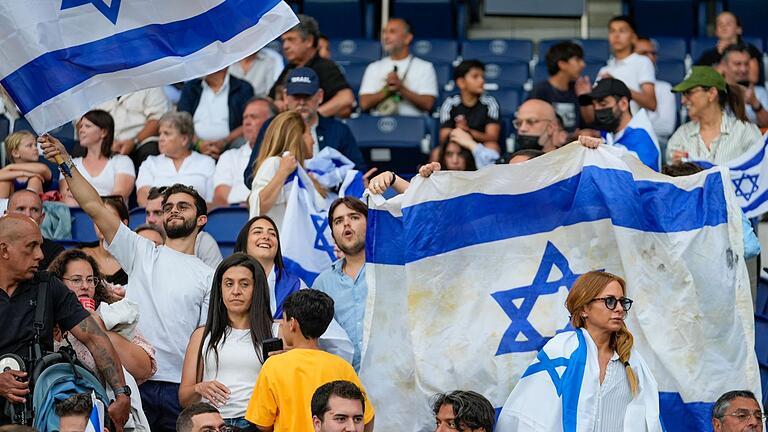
[746,185]
[110,12]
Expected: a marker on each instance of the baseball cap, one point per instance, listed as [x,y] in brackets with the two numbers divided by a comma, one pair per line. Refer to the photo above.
[609,87]
[704,76]
[302,81]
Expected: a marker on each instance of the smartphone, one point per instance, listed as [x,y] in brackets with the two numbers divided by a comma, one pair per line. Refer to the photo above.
[269,345]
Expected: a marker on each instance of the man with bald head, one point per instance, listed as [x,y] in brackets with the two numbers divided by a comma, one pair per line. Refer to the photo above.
[28,202]
[538,127]
[22,285]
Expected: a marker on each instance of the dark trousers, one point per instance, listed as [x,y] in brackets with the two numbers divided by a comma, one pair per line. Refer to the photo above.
[161,405]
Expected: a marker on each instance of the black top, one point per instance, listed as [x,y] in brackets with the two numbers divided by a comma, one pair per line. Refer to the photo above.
[51,250]
[566,103]
[17,314]
[119,277]
[331,79]
[485,111]
[711,57]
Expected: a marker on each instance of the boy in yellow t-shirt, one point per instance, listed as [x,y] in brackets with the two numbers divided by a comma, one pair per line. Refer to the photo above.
[281,401]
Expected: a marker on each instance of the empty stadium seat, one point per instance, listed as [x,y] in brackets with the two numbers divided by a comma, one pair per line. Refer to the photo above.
[595,50]
[753,15]
[136,217]
[761,304]
[498,50]
[761,338]
[677,18]
[671,71]
[432,18]
[507,75]
[508,101]
[82,226]
[444,72]
[354,74]
[328,12]
[671,48]
[756,41]
[224,223]
[436,50]
[347,51]
[391,143]
[701,44]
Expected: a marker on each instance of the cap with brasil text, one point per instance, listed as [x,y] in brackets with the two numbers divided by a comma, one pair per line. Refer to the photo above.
[701,76]
[302,81]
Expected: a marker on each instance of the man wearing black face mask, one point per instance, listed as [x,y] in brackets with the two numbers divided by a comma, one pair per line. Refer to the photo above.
[610,98]
[537,127]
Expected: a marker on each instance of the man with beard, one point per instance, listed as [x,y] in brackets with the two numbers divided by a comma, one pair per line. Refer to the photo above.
[345,280]
[537,127]
[169,283]
[611,98]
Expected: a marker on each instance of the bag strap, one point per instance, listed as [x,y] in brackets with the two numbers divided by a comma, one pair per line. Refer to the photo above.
[39,323]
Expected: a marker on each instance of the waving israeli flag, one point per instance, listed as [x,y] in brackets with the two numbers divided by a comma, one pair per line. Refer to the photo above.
[468,274]
[60,58]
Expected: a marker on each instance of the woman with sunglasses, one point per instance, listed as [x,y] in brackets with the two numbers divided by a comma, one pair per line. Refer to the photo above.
[605,386]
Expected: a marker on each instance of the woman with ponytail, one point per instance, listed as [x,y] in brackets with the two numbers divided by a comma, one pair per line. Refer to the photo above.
[605,386]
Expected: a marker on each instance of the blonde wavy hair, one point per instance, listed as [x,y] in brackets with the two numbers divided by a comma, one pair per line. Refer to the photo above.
[13,141]
[584,290]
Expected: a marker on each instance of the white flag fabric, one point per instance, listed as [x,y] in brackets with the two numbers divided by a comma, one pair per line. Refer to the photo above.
[60,58]
[468,274]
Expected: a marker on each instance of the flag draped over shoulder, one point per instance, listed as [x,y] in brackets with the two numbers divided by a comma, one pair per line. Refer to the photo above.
[468,274]
[60,58]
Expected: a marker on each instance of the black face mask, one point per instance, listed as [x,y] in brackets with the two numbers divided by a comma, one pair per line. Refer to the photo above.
[527,142]
[607,120]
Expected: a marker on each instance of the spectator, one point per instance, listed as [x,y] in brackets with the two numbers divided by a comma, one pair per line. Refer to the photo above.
[74,413]
[286,134]
[611,99]
[136,118]
[728,31]
[524,155]
[259,69]
[399,84]
[20,284]
[28,203]
[345,280]
[455,157]
[634,70]
[471,110]
[323,47]
[338,406]
[216,104]
[25,171]
[664,118]
[719,131]
[166,281]
[200,417]
[303,95]
[176,163]
[229,187]
[537,127]
[282,397]
[206,247]
[113,271]
[737,410]
[224,357]
[152,232]
[735,67]
[463,410]
[565,63]
[300,49]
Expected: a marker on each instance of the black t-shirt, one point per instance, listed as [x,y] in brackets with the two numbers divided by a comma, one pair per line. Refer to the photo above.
[712,57]
[566,103]
[17,314]
[331,79]
[485,111]
[51,250]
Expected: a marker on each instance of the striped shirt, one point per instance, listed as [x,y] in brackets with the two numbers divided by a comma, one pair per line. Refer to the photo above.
[613,398]
[735,138]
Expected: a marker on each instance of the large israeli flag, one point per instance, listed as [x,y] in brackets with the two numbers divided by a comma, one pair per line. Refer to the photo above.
[468,275]
[60,58]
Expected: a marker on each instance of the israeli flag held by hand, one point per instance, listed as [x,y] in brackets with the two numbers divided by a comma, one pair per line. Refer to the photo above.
[469,271]
[60,58]
[96,419]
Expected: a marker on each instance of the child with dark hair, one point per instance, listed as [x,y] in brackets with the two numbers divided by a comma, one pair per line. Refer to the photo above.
[565,63]
[282,397]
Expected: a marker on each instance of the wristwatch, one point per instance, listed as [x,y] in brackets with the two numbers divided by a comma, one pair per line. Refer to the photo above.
[123,390]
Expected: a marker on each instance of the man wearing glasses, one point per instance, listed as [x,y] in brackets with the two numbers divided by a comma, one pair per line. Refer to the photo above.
[538,127]
[737,411]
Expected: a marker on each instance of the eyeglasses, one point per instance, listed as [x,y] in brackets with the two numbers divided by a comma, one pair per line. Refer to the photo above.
[611,302]
[530,122]
[693,90]
[182,206]
[79,281]
[223,428]
[743,415]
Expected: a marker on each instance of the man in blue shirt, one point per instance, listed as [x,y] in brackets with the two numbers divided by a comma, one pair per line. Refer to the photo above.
[610,98]
[345,280]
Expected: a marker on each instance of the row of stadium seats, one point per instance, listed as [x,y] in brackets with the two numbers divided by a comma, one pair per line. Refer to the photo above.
[761,333]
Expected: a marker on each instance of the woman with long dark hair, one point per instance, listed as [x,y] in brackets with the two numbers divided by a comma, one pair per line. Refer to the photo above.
[224,357]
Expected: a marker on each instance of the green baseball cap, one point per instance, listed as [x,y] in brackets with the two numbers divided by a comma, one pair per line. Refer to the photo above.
[701,76]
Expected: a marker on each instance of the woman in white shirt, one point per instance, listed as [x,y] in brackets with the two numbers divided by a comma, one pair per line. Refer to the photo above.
[224,357]
[108,174]
[287,144]
[176,163]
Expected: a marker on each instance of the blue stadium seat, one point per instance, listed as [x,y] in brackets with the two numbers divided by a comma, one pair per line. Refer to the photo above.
[671,48]
[431,18]
[761,338]
[508,101]
[756,41]
[5,127]
[764,381]
[82,226]
[436,50]
[328,12]
[540,72]
[391,143]
[347,51]
[137,216]
[498,50]
[591,70]
[444,72]
[353,72]
[595,50]
[507,75]
[761,305]
[753,15]
[671,71]
[663,17]
[701,44]
[224,223]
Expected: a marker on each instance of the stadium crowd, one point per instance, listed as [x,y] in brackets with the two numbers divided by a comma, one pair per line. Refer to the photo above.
[189,340]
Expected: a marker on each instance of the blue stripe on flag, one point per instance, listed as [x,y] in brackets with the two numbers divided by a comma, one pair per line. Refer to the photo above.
[56,72]
[677,415]
[384,238]
[572,379]
[756,159]
[294,268]
[467,220]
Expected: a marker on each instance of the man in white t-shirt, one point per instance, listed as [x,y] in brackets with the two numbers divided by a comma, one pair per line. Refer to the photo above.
[170,285]
[664,118]
[632,69]
[400,83]
[228,184]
